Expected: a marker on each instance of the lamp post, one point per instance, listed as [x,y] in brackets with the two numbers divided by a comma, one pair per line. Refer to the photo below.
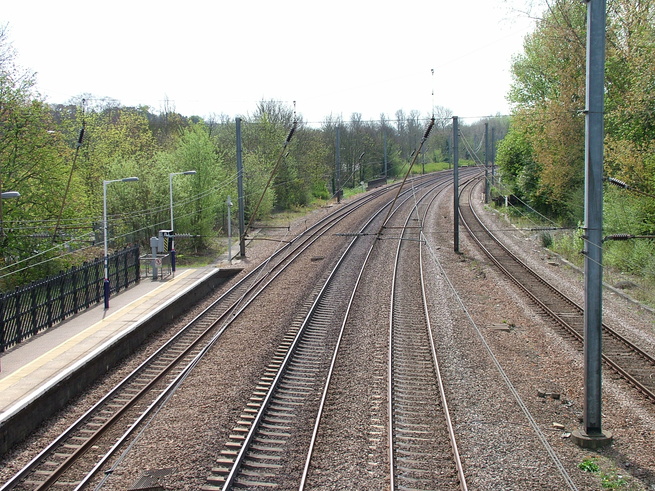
[6,195]
[104,226]
[170,187]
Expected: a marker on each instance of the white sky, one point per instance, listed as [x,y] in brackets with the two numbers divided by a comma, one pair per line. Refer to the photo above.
[217,57]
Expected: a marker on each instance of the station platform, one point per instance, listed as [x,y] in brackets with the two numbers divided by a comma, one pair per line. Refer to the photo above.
[39,375]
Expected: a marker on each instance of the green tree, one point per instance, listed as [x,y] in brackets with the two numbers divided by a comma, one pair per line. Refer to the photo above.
[548,97]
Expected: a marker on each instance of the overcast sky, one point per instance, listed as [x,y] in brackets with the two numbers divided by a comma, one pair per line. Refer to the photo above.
[217,57]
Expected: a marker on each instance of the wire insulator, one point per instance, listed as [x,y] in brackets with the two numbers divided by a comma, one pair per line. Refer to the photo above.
[618,183]
[79,138]
[291,132]
[618,237]
[429,128]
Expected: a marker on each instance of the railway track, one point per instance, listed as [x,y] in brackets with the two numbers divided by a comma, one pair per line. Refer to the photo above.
[625,358]
[291,393]
[67,462]
[422,446]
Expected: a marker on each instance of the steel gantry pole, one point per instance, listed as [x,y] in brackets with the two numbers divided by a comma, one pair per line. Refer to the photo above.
[456,183]
[592,434]
[487,160]
[240,198]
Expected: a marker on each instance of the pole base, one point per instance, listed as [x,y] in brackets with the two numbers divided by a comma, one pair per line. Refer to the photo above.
[591,441]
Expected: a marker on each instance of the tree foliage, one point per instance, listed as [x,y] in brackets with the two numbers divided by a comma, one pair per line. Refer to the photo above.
[67,159]
[546,145]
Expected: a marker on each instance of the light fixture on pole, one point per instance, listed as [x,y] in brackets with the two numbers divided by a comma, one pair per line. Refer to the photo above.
[170,187]
[6,195]
[104,227]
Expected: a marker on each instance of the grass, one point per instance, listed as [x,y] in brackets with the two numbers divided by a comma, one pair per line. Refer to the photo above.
[569,245]
[608,475]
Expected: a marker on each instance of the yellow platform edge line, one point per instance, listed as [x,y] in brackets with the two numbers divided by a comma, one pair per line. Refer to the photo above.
[89,331]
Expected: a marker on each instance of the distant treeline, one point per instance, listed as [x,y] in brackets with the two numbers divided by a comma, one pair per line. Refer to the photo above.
[58,155]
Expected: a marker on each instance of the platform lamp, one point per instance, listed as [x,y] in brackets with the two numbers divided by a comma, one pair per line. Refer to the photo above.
[170,187]
[6,195]
[104,226]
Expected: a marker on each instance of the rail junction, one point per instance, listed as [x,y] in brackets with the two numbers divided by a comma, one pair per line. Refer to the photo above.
[344,382]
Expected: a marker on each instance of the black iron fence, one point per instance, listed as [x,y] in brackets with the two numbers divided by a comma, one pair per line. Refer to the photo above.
[40,305]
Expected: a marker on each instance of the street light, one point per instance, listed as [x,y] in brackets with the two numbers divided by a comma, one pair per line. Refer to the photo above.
[170,187]
[104,226]
[6,195]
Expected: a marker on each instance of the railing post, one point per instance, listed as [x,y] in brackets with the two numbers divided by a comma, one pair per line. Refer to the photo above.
[73,282]
[48,301]
[137,264]
[87,285]
[3,337]
[19,315]
[33,304]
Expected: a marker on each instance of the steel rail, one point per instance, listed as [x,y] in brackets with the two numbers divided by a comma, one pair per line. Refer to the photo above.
[451,428]
[321,409]
[255,276]
[643,382]
[230,480]
[405,411]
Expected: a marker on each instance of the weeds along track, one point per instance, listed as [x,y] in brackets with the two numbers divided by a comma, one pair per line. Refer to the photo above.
[625,358]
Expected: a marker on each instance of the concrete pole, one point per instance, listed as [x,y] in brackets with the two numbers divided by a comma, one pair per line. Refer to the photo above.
[486,162]
[592,434]
[493,154]
[337,165]
[241,199]
[456,182]
[384,134]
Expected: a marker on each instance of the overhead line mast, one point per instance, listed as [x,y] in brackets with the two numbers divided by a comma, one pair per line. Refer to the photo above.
[409,170]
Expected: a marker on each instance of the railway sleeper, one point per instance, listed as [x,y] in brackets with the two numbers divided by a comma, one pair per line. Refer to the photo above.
[249,484]
[263,456]
[274,427]
[282,402]
[274,434]
[267,446]
[255,472]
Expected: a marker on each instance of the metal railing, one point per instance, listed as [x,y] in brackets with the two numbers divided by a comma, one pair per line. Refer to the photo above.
[33,308]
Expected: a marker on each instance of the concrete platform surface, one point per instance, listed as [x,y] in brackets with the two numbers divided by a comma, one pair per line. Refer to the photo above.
[41,367]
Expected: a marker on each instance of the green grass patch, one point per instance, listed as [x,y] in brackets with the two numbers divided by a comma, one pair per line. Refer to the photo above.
[609,477]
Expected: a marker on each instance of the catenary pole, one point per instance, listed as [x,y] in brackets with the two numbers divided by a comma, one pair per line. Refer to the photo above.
[592,434]
[241,200]
[493,154]
[487,160]
[456,183]
[337,164]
